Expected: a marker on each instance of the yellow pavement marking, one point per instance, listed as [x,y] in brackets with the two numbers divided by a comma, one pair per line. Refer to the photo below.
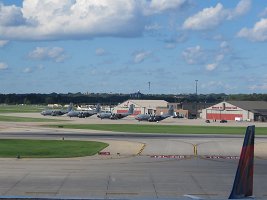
[195,150]
[141,150]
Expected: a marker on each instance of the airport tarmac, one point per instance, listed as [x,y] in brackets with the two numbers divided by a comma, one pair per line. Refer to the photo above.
[140,165]
[132,177]
[146,166]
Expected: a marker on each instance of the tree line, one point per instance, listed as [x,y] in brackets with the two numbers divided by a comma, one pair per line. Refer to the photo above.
[113,99]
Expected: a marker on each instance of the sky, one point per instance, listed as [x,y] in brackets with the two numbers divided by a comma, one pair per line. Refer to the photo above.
[119,46]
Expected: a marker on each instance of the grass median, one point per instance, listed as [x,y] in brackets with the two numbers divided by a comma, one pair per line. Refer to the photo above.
[4,118]
[20,108]
[176,129]
[11,148]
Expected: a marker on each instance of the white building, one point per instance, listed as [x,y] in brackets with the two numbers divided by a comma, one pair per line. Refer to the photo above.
[237,110]
[140,106]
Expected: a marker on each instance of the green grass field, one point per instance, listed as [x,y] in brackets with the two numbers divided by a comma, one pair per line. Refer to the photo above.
[177,129]
[10,148]
[26,119]
[20,108]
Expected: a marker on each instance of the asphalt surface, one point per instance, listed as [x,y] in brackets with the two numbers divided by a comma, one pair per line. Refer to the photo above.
[133,177]
[139,166]
[166,167]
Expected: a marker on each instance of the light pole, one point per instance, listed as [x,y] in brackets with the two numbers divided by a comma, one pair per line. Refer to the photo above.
[196,86]
[196,97]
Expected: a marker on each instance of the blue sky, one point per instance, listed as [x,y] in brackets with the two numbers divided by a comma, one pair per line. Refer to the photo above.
[121,45]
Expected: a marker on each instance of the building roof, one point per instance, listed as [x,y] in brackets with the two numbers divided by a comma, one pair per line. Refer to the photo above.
[250,105]
[150,103]
[146,103]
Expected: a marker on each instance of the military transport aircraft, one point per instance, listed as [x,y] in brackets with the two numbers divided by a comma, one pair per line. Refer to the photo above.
[57,112]
[157,118]
[143,117]
[84,114]
[104,115]
[110,115]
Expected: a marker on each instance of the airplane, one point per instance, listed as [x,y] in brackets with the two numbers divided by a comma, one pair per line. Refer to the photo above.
[157,118]
[104,115]
[84,114]
[243,183]
[57,112]
[143,117]
[110,115]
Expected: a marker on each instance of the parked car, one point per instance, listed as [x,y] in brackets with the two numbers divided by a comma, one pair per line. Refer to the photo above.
[223,121]
[207,121]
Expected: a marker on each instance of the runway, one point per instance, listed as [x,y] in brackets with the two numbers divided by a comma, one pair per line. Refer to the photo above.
[139,166]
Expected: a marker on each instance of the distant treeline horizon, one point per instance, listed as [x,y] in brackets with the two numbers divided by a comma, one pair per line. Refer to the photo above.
[112,98]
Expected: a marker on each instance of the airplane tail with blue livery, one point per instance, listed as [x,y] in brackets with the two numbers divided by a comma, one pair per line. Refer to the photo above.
[243,183]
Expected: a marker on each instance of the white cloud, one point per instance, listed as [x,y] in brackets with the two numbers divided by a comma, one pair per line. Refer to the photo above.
[213,16]
[141,56]
[27,70]
[10,15]
[175,39]
[262,86]
[219,57]
[56,54]
[170,46]
[159,6]
[242,8]
[100,52]
[205,19]
[211,67]
[153,27]
[224,45]
[258,33]
[3,42]
[65,19]
[3,66]
[193,55]
[40,67]
[79,19]
[211,59]
[263,13]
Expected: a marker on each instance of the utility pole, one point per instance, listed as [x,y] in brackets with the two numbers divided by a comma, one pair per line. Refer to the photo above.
[196,99]
[149,87]
[196,86]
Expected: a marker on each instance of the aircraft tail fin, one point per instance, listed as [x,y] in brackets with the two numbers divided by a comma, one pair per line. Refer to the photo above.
[98,108]
[171,110]
[243,184]
[131,109]
[70,107]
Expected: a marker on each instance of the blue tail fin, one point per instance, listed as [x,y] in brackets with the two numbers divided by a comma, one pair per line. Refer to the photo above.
[243,184]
